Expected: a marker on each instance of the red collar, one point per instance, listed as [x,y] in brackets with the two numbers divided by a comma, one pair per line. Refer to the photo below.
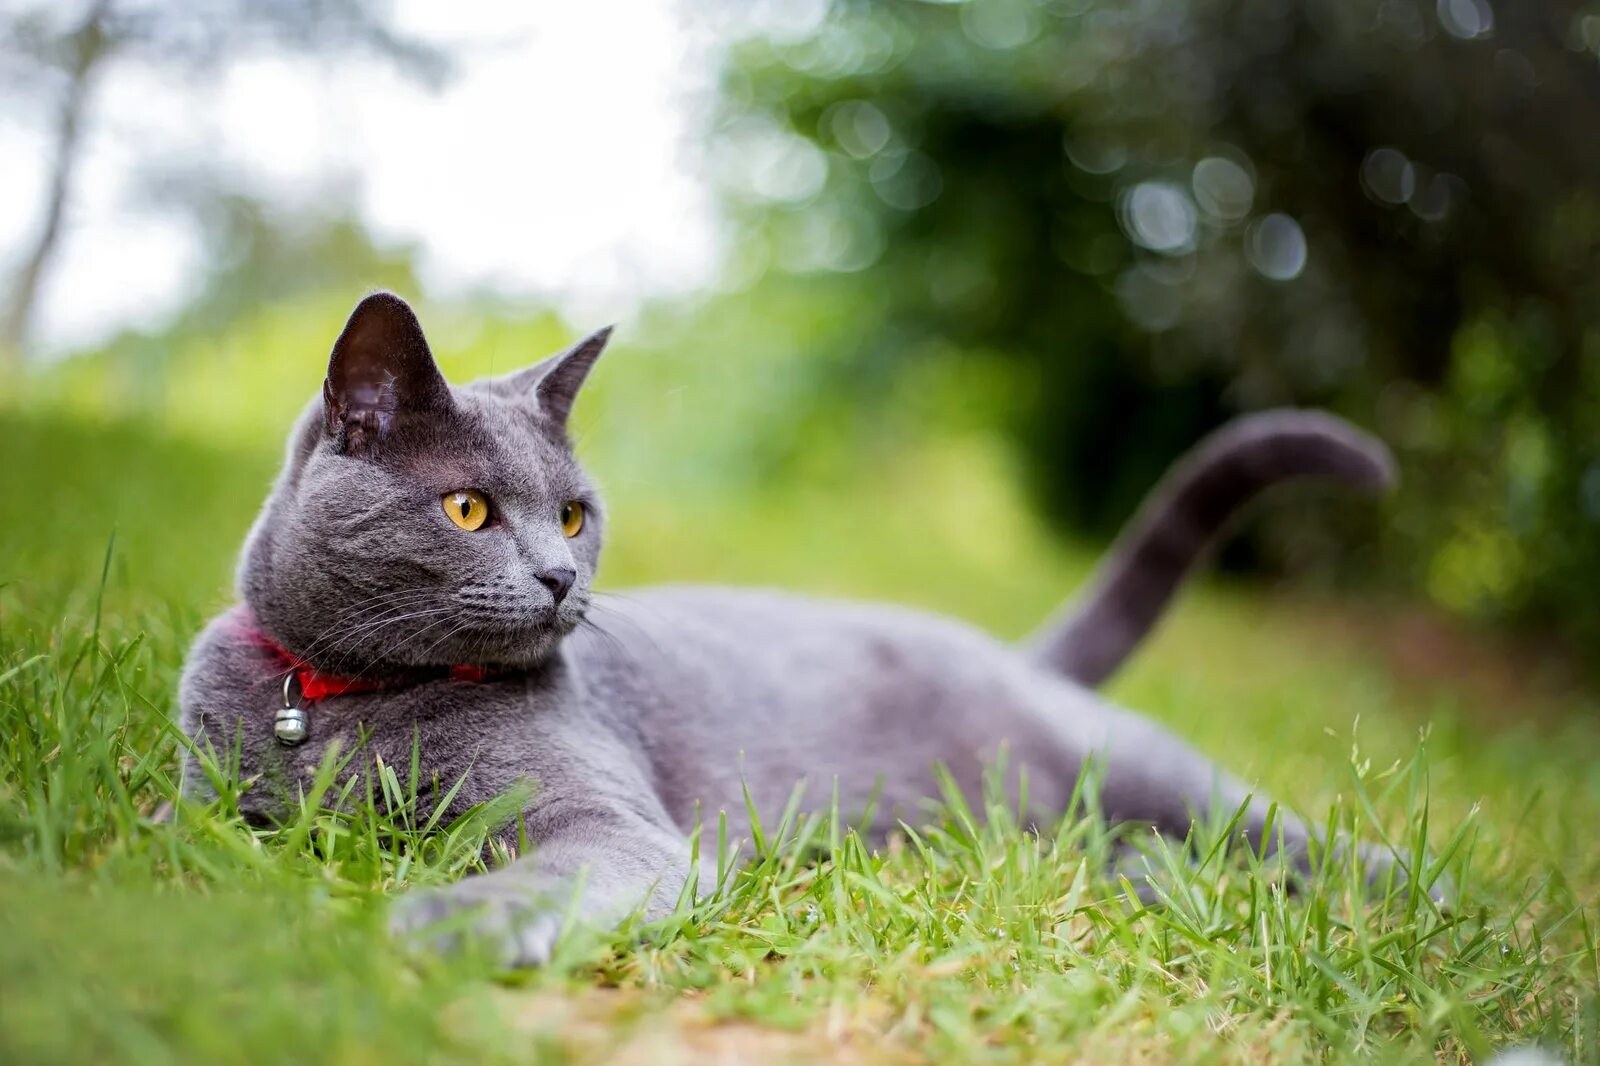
[318,685]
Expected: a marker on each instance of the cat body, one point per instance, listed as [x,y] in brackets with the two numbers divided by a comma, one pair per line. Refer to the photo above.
[638,718]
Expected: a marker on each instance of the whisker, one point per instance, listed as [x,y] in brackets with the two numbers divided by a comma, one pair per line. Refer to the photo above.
[375,622]
[335,632]
[640,629]
[387,651]
[610,638]
[462,626]
[372,628]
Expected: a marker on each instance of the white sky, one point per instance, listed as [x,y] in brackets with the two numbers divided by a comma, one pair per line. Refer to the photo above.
[562,161]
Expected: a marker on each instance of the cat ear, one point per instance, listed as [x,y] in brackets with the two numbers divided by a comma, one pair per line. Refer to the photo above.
[553,383]
[380,374]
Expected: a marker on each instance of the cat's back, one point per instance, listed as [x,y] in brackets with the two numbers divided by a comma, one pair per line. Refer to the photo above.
[768,623]
[742,660]
[736,688]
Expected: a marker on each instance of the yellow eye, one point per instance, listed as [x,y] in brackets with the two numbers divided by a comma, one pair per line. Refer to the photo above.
[467,508]
[571,517]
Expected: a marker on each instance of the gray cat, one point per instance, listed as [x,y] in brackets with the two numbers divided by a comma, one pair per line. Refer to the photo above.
[423,567]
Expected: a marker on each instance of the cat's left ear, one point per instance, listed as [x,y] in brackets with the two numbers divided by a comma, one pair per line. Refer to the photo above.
[553,384]
[380,375]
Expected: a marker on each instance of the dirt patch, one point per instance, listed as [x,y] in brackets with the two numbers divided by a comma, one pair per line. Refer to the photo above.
[1505,676]
[626,1027]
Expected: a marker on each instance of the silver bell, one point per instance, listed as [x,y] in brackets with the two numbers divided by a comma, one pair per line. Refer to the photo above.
[291,725]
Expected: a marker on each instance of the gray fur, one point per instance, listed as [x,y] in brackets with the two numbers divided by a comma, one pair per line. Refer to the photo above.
[630,715]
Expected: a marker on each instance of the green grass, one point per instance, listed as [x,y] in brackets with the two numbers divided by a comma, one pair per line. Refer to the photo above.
[126,939]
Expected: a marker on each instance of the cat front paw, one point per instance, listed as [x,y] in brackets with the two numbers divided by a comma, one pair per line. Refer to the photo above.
[518,929]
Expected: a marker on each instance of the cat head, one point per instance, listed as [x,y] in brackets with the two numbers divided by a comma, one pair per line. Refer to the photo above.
[418,523]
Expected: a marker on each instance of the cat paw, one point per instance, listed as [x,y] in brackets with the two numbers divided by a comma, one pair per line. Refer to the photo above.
[480,910]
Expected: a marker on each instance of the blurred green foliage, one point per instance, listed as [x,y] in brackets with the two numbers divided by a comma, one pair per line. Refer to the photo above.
[1127,220]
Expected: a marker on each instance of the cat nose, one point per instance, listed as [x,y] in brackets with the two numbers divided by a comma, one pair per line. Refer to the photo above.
[558,580]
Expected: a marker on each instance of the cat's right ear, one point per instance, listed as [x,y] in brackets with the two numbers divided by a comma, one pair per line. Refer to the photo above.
[552,385]
[381,375]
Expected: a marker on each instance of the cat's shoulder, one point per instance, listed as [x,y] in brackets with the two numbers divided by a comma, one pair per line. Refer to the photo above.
[229,654]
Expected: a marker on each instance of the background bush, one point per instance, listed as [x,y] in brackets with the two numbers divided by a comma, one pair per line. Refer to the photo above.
[1126,221]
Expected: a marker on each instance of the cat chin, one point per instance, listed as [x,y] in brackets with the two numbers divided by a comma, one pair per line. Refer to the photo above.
[521,646]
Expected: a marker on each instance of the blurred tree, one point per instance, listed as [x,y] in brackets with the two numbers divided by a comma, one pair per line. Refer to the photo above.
[258,252]
[274,273]
[1164,211]
[54,56]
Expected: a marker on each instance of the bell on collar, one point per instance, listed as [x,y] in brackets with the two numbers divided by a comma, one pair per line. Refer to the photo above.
[291,725]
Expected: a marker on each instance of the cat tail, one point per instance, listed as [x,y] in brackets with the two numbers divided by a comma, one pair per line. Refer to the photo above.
[1183,517]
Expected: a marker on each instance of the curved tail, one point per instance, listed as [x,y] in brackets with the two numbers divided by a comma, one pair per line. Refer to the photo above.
[1181,519]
